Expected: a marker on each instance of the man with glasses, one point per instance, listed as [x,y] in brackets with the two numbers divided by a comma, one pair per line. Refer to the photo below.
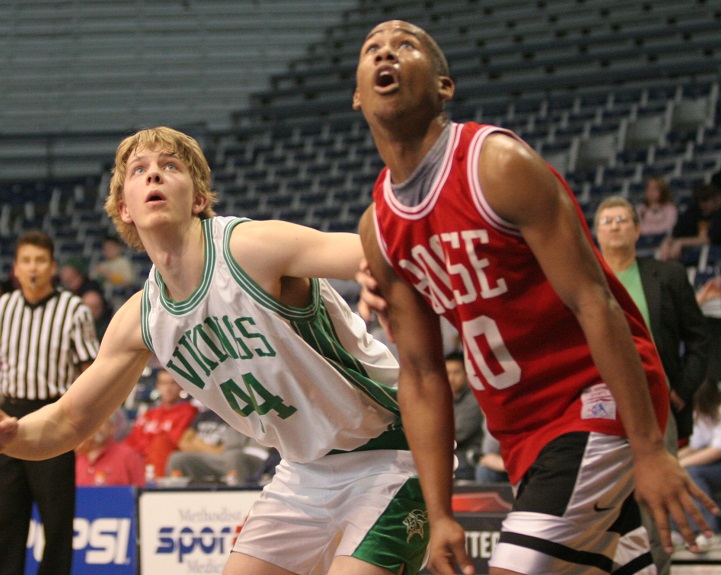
[666,299]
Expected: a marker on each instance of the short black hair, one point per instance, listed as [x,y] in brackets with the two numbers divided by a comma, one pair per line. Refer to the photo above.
[455,356]
[705,192]
[38,239]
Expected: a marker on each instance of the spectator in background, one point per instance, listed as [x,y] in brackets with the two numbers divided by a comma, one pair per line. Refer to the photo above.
[490,467]
[666,299]
[47,339]
[156,433]
[698,225]
[211,450]
[708,297]
[99,307]
[716,180]
[467,415]
[73,277]
[657,212]
[100,460]
[116,272]
[267,471]
[116,268]
[702,457]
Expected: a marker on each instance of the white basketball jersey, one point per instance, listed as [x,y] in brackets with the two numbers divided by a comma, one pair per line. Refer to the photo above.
[306,381]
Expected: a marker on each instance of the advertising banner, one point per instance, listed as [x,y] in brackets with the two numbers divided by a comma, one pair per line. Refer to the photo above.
[105,531]
[190,533]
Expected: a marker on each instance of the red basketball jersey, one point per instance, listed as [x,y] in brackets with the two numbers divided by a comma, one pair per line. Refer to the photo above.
[526,356]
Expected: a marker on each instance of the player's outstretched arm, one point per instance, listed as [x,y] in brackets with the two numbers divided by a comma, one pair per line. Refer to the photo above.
[8,429]
[426,403]
[521,189]
[91,399]
[269,250]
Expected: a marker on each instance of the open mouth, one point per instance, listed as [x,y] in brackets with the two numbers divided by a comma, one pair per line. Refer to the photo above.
[155,197]
[386,79]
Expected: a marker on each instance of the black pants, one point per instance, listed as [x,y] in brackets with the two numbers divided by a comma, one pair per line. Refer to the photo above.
[714,352]
[51,485]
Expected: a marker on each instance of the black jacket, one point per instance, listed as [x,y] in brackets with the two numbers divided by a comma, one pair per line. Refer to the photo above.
[679,331]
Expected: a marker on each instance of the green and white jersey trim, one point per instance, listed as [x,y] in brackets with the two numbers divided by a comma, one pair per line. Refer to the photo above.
[179,308]
[315,326]
[308,381]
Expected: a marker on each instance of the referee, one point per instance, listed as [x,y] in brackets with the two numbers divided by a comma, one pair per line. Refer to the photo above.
[47,337]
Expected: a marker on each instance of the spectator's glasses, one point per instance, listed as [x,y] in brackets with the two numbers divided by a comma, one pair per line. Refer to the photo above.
[607,221]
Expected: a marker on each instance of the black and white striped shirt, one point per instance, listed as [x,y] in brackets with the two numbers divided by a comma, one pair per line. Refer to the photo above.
[43,345]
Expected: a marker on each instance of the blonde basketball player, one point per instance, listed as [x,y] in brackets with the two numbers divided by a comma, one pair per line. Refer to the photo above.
[229,310]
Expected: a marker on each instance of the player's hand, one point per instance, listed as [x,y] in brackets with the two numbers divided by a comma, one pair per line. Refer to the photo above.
[8,429]
[371,301]
[664,488]
[448,549]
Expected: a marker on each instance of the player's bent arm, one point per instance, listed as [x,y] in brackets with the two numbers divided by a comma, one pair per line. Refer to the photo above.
[268,250]
[93,397]
[426,402]
[424,393]
[190,441]
[521,189]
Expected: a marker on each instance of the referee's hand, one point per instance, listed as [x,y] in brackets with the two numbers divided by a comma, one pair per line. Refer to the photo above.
[8,429]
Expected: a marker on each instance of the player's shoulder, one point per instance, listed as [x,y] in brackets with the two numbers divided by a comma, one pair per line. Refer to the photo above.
[128,316]
[507,147]
[256,238]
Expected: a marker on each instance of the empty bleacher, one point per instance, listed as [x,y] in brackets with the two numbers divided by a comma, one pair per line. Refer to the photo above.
[608,91]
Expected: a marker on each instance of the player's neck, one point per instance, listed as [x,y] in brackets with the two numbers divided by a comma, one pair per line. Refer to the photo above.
[179,258]
[403,151]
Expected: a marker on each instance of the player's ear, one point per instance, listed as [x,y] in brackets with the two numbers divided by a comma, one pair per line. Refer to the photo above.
[446,87]
[356,100]
[200,202]
[124,214]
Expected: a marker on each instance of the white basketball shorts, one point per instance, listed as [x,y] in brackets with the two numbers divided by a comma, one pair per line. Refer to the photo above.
[365,504]
[575,513]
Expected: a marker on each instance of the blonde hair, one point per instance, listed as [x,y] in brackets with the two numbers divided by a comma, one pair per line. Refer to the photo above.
[162,139]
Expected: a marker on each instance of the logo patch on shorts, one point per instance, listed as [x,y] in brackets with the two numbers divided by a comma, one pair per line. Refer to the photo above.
[598,403]
[416,523]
